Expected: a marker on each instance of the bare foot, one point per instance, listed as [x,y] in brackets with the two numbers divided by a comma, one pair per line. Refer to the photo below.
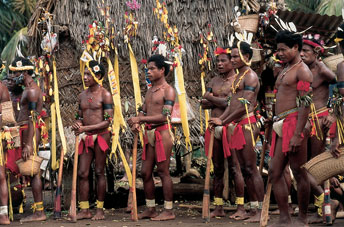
[300,222]
[99,215]
[218,212]
[4,220]
[240,214]
[84,214]
[255,218]
[37,216]
[165,216]
[148,213]
[315,218]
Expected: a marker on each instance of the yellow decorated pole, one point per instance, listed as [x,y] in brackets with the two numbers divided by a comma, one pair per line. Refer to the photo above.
[136,84]
[58,112]
[206,112]
[179,84]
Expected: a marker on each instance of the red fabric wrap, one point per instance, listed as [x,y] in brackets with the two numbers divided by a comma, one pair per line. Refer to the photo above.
[319,115]
[225,144]
[313,44]
[333,130]
[238,138]
[88,142]
[159,145]
[15,154]
[288,129]
[303,86]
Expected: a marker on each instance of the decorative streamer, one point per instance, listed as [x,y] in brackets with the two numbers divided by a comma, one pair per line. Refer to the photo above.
[136,83]
[179,85]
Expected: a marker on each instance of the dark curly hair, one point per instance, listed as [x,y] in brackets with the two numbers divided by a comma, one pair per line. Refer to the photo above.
[160,62]
[289,38]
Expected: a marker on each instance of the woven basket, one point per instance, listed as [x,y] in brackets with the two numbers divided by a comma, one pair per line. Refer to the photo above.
[333,61]
[31,167]
[7,113]
[325,166]
[249,22]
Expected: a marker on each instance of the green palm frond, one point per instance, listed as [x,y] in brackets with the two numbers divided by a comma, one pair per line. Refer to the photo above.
[25,7]
[307,6]
[330,7]
[16,46]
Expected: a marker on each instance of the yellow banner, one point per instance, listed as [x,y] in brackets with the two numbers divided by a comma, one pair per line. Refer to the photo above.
[58,113]
[182,102]
[206,112]
[54,163]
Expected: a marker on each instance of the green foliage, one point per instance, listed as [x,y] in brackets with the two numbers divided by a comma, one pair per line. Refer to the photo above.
[307,6]
[25,7]
[330,7]
[16,46]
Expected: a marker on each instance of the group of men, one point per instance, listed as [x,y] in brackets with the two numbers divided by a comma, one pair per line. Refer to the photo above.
[301,94]
[302,121]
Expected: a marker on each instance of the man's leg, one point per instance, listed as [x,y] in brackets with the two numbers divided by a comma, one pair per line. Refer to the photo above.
[37,188]
[100,159]
[297,159]
[3,196]
[164,174]
[254,181]
[316,147]
[218,162]
[148,183]
[234,167]
[280,189]
[84,165]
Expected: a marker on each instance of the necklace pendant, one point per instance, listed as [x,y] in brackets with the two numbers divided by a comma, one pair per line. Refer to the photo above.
[90,99]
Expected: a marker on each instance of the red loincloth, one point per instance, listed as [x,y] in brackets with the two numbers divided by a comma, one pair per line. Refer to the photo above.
[89,143]
[288,129]
[238,138]
[159,146]
[225,144]
[15,154]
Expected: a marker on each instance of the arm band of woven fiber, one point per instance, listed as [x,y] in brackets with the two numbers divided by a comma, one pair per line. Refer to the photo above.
[209,89]
[107,106]
[32,105]
[249,88]
[168,103]
[340,84]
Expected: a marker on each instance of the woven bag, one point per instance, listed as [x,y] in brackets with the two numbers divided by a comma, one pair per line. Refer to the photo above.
[7,113]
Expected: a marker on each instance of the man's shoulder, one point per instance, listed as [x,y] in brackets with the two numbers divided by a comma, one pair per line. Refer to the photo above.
[105,91]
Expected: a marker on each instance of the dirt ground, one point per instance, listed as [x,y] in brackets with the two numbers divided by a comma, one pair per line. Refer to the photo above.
[117,217]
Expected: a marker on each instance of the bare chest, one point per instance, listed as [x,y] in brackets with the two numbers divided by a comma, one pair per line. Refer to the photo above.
[222,88]
[155,98]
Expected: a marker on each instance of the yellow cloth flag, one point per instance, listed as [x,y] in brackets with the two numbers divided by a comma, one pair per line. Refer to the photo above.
[54,163]
[116,69]
[206,112]
[179,78]
[136,83]
[58,113]
[118,117]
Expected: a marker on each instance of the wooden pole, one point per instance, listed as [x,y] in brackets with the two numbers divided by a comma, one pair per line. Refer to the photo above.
[265,143]
[133,187]
[206,192]
[57,209]
[72,209]
[264,217]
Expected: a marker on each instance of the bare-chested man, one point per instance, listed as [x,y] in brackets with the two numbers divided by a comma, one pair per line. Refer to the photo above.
[31,105]
[242,128]
[288,144]
[320,119]
[216,99]
[93,119]
[158,105]
[4,96]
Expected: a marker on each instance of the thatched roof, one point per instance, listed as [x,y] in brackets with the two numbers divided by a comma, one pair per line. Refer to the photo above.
[191,17]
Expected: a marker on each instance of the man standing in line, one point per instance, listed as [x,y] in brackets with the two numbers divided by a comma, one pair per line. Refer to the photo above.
[158,138]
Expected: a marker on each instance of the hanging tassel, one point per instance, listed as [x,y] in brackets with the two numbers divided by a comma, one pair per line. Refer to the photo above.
[201,121]
[246,102]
